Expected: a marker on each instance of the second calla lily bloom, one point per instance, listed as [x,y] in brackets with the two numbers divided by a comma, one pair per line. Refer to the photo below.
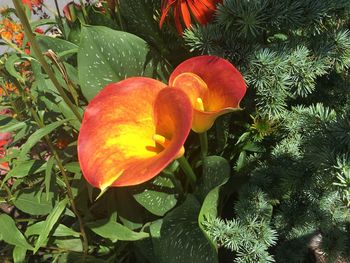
[131,131]
[213,85]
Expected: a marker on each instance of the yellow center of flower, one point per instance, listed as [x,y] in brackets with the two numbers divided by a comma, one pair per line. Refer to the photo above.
[164,142]
[199,104]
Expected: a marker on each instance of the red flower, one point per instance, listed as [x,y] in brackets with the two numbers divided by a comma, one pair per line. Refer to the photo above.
[201,10]
[31,3]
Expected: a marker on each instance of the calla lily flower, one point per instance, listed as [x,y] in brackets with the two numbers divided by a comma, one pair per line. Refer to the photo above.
[131,131]
[213,85]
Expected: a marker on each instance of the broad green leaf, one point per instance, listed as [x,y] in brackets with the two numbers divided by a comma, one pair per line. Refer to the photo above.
[115,231]
[59,231]
[49,223]
[106,56]
[216,171]
[57,45]
[30,201]
[37,136]
[10,233]
[19,254]
[179,239]
[157,196]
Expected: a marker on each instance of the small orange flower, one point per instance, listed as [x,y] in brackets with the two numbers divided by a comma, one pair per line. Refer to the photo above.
[213,85]
[201,10]
[9,87]
[131,131]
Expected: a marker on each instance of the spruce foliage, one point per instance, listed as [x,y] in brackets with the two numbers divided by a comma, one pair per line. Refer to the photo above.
[295,56]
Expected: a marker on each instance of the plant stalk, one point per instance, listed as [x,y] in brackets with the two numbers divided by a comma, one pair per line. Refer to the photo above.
[31,37]
[203,138]
[186,167]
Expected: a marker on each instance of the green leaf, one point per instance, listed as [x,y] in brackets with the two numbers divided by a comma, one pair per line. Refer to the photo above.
[44,90]
[106,56]
[157,196]
[216,171]
[179,239]
[19,254]
[32,202]
[59,231]
[57,45]
[10,233]
[25,168]
[9,124]
[74,257]
[10,67]
[115,231]
[36,137]
[48,174]
[49,223]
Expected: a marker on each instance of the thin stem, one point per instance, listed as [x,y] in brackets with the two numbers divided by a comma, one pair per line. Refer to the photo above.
[117,7]
[31,37]
[186,167]
[203,138]
[66,181]
[60,23]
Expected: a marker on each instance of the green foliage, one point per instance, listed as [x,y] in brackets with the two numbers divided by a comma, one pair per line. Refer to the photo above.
[280,178]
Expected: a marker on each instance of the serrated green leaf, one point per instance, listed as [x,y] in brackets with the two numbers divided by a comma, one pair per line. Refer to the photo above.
[157,196]
[115,231]
[49,223]
[179,239]
[36,137]
[106,56]
[10,233]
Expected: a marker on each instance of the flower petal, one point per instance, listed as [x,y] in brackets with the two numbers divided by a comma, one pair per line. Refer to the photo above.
[225,83]
[116,145]
[173,118]
[212,81]
[116,129]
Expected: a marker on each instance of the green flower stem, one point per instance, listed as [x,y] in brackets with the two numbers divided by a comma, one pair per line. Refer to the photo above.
[203,138]
[66,181]
[186,167]
[31,37]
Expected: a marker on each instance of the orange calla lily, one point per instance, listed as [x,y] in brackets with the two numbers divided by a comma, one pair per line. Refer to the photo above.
[213,85]
[131,131]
